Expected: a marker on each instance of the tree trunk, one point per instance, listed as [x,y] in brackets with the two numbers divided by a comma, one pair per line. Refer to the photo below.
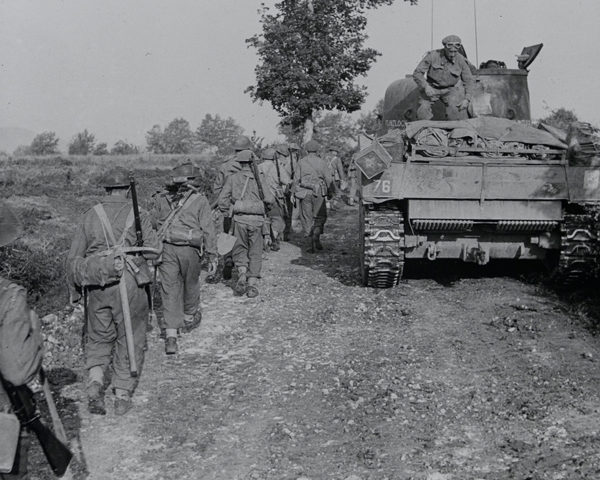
[308,130]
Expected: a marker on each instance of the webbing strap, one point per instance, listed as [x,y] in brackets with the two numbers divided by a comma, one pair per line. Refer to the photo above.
[106,226]
[244,189]
[175,213]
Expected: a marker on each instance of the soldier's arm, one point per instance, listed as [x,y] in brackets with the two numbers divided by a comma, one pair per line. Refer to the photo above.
[268,194]
[421,71]
[207,226]
[224,200]
[467,79]
[20,338]
[75,259]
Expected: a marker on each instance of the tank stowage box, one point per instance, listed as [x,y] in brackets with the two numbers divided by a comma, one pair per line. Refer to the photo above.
[490,187]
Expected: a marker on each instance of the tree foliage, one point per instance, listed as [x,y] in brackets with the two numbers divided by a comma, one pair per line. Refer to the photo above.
[101,149]
[122,147]
[371,122]
[560,118]
[154,140]
[44,144]
[217,132]
[82,143]
[310,54]
[176,138]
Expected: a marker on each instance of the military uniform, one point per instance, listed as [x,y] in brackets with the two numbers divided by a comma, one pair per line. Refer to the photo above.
[336,170]
[106,339]
[278,181]
[187,231]
[240,197]
[312,186]
[443,74]
[352,182]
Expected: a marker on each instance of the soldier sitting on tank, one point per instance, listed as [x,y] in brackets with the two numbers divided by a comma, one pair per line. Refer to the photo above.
[444,68]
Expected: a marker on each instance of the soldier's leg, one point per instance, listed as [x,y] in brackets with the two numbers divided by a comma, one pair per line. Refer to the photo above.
[277,223]
[171,288]
[122,381]
[320,219]
[254,259]
[240,255]
[306,214]
[424,111]
[189,260]
[287,218]
[352,189]
[227,259]
[451,98]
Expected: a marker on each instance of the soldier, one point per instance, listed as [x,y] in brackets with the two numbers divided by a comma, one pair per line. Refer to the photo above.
[312,186]
[243,198]
[352,182]
[278,182]
[185,227]
[228,168]
[20,342]
[336,170]
[444,68]
[96,262]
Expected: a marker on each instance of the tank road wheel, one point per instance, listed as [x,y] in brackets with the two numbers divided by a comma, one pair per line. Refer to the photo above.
[381,244]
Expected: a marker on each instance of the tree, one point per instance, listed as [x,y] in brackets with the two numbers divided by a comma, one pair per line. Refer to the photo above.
[560,118]
[44,144]
[371,122]
[217,132]
[177,137]
[124,148]
[82,143]
[154,140]
[310,53]
[101,149]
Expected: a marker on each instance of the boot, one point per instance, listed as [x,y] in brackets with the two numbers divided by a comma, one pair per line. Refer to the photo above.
[241,286]
[252,290]
[311,246]
[95,393]
[227,267]
[275,243]
[171,345]
[190,322]
[317,239]
[123,402]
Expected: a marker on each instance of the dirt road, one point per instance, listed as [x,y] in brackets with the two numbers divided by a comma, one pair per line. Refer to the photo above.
[462,377]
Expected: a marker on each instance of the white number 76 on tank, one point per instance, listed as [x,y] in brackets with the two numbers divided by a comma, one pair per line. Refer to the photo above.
[383,186]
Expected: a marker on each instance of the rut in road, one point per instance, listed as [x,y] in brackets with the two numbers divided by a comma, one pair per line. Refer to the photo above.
[319,377]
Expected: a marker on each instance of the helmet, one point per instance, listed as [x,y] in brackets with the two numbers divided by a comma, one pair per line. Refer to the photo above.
[242,142]
[451,39]
[312,146]
[335,149]
[294,146]
[283,150]
[187,170]
[118,177]
[244,156]
[10,227]
[268,154]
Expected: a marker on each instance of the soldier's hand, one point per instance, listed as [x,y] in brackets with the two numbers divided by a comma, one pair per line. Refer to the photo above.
[119,264]
[212,267]
[429,91]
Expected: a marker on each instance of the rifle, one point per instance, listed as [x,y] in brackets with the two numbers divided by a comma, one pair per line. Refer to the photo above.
[261,193]
[56,452]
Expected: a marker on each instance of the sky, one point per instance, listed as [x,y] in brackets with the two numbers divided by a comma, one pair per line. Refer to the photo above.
[116,68]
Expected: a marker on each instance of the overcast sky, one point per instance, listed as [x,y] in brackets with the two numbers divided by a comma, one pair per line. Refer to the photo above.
[118,67]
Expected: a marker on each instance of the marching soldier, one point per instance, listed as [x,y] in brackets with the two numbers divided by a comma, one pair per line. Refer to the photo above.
[243,198]
[117,303]
[20,344]
[278,182]
[312,186]
[228,168]
[185,227]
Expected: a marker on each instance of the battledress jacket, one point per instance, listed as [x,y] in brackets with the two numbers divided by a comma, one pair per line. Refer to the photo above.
[21,339]
[196,215]
[228,168]
[269,170]
[90,237]
[443,73]
[334,163]
[232,192]
[312,173]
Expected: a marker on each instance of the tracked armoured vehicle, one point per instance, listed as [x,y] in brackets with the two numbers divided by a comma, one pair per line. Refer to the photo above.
[489,187]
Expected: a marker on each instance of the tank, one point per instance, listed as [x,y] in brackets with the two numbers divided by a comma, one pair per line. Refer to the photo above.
[478,189]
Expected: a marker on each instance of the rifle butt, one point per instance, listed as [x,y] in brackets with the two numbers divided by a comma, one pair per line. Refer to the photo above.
[58,455]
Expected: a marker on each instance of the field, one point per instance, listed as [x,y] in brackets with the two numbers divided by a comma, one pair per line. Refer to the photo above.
[458,373]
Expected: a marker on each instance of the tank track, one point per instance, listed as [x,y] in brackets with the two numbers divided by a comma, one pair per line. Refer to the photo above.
[579,247]
[382,245]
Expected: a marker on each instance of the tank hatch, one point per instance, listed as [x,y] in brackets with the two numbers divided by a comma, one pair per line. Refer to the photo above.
[528,55]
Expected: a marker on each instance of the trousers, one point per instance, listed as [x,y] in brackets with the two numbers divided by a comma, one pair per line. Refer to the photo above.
[247,251]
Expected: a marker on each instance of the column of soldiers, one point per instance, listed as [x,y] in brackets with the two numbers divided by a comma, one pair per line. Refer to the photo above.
[115,241]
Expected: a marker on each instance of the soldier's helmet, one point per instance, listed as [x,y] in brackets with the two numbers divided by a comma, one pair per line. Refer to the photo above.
[184,172]
[452,39]
[283,150]
[335,149]
[294,147]
[118,177]
[245,156]
[268,154]
[312,146]
[10,227]
[242,142]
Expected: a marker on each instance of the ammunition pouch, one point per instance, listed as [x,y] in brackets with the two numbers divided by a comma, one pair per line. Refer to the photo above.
[184,236]
[10,428]
[138,267]
[248,207]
